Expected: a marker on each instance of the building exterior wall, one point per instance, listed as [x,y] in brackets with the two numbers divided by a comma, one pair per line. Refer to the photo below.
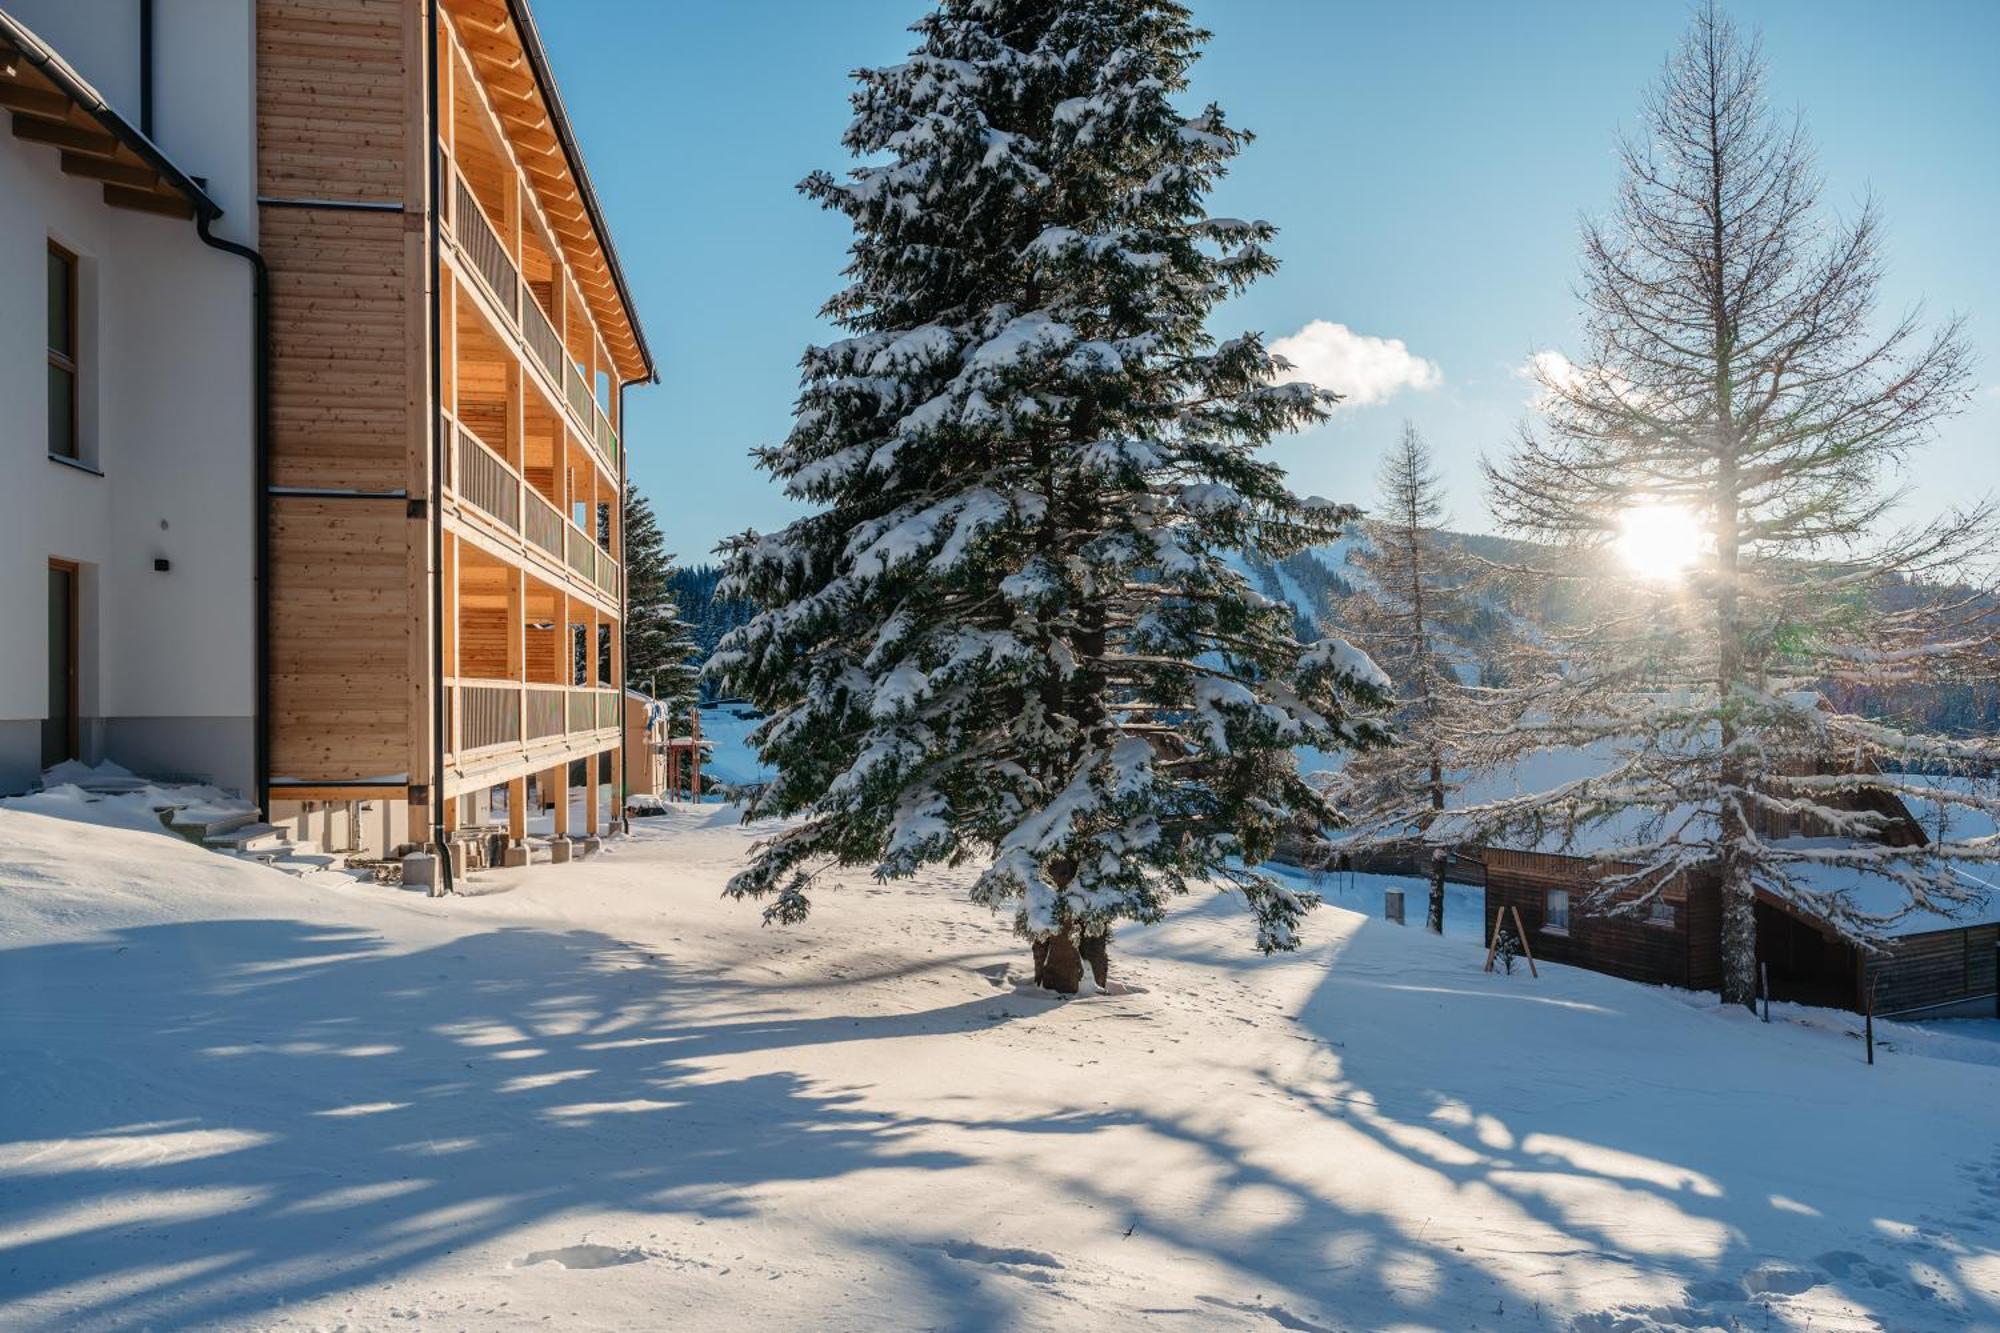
[166,680]
[1630,947]
[1935,969]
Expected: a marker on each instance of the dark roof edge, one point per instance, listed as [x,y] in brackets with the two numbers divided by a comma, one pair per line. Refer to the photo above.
[59,72]
[538,61]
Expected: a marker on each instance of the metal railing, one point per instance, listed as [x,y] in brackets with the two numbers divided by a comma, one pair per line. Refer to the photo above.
[484,478]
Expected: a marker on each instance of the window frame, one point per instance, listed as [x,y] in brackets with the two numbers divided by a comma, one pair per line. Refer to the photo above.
[1549,922]
[70,360]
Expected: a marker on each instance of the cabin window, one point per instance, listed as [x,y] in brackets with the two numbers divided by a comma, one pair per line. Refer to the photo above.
[1660,913]
[1555,911]
[62,342]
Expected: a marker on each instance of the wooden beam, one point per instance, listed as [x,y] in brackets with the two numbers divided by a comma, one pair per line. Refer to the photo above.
[46,103]
[110,169]
[145,201]
[64,135]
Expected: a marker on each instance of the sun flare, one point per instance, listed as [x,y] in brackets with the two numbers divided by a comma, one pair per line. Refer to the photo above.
[1659,541]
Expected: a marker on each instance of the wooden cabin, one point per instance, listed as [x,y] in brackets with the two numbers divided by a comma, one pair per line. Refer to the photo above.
[450,341]
[1929,964]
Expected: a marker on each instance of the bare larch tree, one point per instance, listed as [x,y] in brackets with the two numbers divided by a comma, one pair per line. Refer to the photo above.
[1735,373]
[1411,611]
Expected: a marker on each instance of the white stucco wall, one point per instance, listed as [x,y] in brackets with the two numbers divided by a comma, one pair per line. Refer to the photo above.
[168,660]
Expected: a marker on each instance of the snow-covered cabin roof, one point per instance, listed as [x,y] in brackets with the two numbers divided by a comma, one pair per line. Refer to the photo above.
[1550,771]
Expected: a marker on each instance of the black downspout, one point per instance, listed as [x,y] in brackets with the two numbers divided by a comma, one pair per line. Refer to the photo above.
[624,631]
[436,238]
[146,68]
[261,371]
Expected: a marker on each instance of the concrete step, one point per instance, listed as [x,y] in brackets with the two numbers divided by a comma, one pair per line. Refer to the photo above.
[295,863]
[258,837]
[202,823]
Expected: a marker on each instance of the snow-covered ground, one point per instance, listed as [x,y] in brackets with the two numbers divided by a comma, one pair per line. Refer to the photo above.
[597,1096]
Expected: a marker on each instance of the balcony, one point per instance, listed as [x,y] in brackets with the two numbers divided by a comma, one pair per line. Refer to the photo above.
[483,479]
[484,258]
[495,720]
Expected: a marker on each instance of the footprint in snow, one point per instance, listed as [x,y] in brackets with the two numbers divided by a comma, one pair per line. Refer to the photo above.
[584,1256]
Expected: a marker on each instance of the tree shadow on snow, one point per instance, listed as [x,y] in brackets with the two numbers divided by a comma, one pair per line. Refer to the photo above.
[157,1159]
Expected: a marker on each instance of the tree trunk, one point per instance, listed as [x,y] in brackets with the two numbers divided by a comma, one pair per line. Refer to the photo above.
[1434,914]
[1058,965]
[1096,951]
[1739,937]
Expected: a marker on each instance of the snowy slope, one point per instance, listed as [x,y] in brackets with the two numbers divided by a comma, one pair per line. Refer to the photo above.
[600,1097]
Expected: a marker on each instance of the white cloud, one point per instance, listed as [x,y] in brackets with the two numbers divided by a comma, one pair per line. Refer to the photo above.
[1547,370]
[1360,368]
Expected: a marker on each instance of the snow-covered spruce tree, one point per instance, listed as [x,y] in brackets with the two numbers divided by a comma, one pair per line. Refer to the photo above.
[1008,634]
[1414,604]
[661,655]
[1734,378]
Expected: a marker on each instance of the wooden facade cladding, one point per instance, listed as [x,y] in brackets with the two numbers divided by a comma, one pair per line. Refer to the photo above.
[340,668]
[334,99]
[364,533]
[342,321]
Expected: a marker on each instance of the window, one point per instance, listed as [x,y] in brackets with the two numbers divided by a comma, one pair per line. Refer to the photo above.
[1660,913]
[1555,911]
[62,353]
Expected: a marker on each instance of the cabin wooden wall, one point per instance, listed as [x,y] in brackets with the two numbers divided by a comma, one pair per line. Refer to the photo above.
[1934,968]
[341,107]
[1628,947]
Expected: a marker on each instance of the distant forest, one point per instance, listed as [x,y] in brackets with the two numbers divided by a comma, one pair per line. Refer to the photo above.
[708,615]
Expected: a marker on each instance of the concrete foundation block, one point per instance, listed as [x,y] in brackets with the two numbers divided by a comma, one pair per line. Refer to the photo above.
[420,871]
[591,845]
[514,854]
[559,849]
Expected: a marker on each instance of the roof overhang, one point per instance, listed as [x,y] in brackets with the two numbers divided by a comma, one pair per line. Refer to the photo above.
[507,51]
[51,104]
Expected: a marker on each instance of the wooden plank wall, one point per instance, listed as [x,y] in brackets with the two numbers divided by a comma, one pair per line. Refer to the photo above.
[341,105]
[339,667]
[1934,968]
[1620,946]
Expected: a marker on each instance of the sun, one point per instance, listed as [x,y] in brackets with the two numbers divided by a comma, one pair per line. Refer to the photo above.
[1659,541]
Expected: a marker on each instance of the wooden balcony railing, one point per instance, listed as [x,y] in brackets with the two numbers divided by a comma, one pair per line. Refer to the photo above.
[489,483]
[541,337]
[497,713]
[484,478]
[547,713]
[544,525]
[481,241]
[465,218]
[489,715]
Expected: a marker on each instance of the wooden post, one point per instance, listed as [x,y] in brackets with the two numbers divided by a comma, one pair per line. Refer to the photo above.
[590,765]
[694,755]
[558,780]
[1493,945]
[1522,931]
[1764,985]
[1868,1018]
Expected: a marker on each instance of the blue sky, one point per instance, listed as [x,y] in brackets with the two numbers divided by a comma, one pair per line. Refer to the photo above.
[1426,163]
